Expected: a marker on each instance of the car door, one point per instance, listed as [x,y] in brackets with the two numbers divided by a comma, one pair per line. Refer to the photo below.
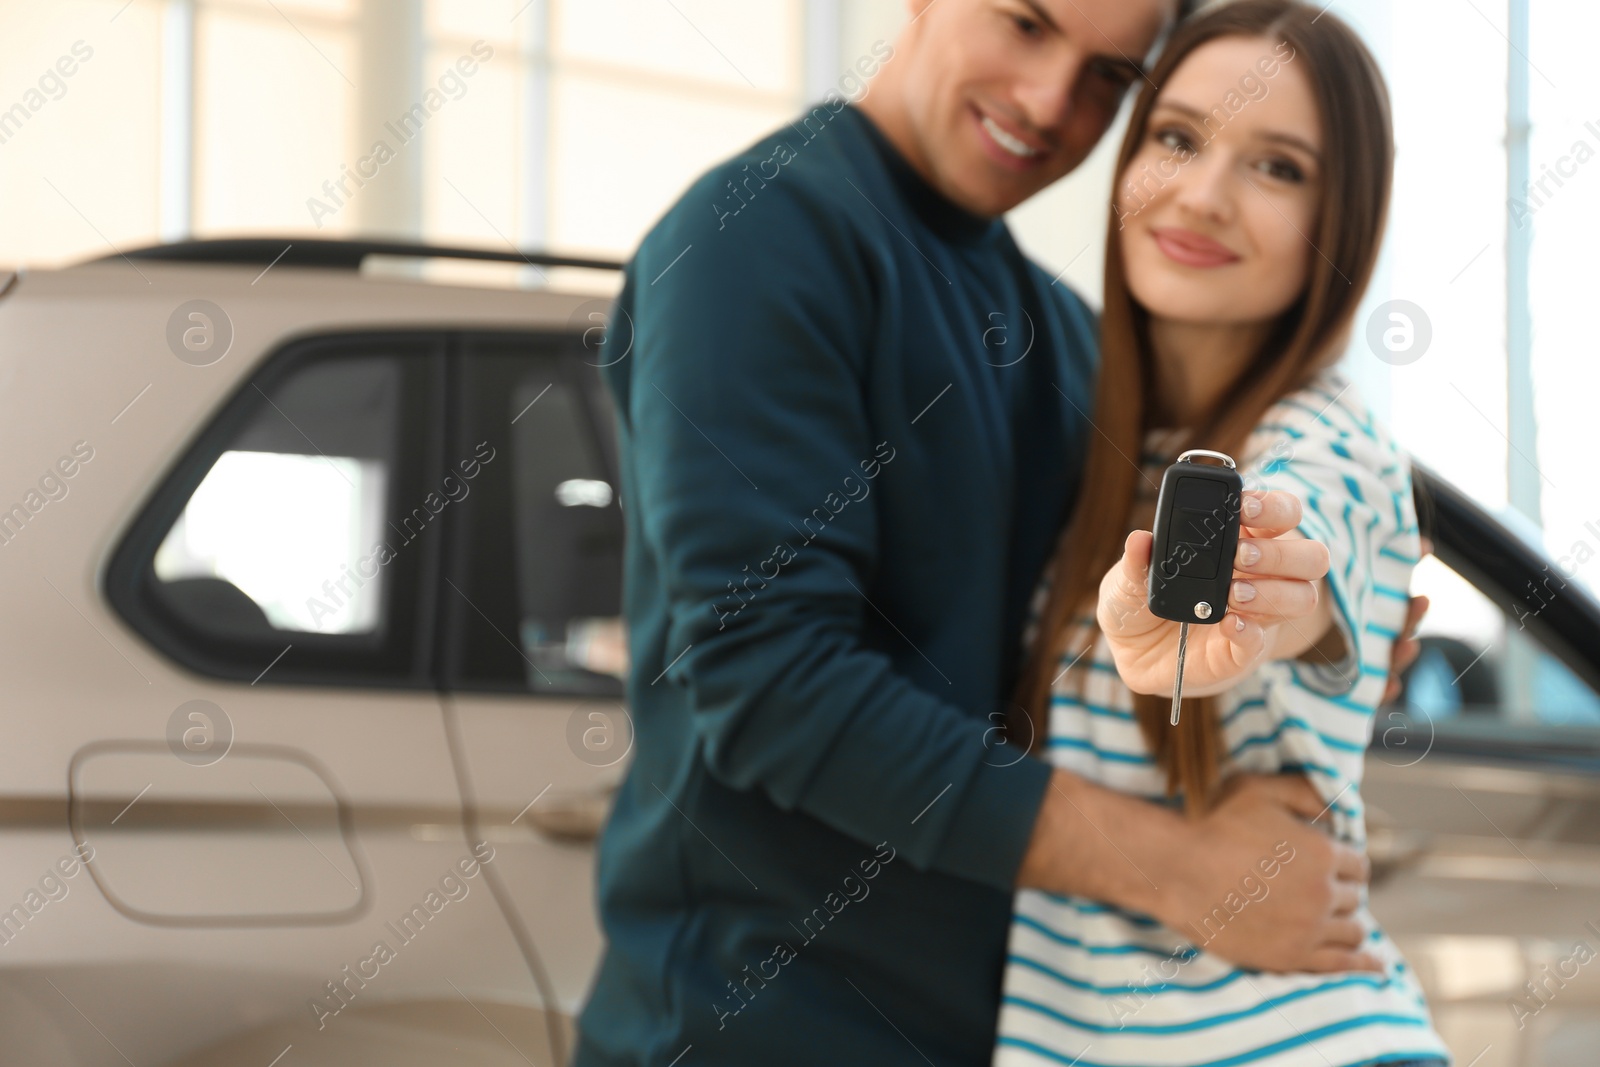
[532,649]
[1483,791]
[272,821]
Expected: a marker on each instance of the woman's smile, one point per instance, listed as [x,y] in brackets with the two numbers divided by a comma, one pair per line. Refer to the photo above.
[1192,249]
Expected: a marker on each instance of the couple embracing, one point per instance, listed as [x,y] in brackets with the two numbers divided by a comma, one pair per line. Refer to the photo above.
[904,787]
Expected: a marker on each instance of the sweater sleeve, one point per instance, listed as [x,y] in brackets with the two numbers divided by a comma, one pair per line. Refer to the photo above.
[1323,445]
[747,428]
[1354,485]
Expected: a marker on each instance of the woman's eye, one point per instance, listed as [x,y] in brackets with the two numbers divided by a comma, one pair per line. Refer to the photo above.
[1282,169]
[1173,138]
[1025,25]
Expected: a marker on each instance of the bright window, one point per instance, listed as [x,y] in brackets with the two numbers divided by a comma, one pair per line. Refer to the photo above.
[284,529]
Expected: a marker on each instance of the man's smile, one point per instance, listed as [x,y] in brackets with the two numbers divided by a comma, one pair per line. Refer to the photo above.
[1006,146]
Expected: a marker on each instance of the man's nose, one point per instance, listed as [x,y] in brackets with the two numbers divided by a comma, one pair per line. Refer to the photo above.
[1045,99]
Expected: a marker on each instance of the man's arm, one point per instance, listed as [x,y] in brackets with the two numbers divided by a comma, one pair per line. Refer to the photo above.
[745,420]
[1093,842]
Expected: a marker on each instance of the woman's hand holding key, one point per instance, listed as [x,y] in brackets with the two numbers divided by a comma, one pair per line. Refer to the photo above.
[1276,574]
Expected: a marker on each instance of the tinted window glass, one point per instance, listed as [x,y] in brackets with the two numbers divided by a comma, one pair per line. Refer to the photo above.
[1482,670]
[290,515]
[300,523]
[539,579]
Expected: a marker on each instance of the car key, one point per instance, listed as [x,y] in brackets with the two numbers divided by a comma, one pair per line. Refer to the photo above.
[1196,535]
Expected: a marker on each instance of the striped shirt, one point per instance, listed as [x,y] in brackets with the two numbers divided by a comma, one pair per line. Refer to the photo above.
[1089,984]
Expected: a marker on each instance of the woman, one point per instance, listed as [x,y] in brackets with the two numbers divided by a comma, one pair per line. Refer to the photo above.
[1250,202]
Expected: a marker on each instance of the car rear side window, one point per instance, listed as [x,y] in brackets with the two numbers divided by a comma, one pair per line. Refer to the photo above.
[299,532]
[239,529]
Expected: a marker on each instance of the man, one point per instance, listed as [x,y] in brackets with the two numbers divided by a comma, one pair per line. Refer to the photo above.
[851,423]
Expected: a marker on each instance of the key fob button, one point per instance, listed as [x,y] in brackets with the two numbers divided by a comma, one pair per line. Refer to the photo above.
[1196,561]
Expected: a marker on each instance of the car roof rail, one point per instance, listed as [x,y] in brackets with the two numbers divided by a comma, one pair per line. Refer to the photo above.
[336,254]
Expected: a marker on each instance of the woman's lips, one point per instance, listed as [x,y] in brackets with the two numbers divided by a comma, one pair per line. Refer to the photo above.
[1192,249]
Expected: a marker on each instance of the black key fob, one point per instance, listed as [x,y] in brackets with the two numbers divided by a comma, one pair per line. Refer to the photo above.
[1196,535]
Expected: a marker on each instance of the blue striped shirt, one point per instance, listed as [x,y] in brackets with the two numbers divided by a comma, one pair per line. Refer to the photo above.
[1089,984]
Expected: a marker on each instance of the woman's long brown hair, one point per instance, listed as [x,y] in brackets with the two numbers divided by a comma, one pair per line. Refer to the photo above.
[1357,160]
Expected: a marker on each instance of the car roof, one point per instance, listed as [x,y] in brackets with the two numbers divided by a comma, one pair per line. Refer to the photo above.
[87,356]
[344,253]
[301,300]
[300,286]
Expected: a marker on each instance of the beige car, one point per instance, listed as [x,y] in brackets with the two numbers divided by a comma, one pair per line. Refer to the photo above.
[310,576]
[313,576]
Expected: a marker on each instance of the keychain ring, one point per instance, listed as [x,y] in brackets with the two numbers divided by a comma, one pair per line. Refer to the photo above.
[1184,458]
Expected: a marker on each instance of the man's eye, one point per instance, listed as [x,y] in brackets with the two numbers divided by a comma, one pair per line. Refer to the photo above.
[1116,74]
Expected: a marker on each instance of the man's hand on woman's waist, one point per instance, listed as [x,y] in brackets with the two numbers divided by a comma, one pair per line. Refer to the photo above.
[1253,881]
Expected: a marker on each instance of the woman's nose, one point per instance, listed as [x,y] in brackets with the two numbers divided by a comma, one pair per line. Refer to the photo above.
[1206,187]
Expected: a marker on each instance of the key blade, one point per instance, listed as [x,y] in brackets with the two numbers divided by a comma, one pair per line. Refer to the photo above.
[1177,682]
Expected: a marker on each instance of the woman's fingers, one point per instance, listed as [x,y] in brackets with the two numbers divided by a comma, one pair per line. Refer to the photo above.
[1281,557]
[1123,608]
[1269,512]
[1245,640]
[1272,600]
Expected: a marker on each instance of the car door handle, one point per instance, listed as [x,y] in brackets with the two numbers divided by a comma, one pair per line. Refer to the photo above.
[572,817]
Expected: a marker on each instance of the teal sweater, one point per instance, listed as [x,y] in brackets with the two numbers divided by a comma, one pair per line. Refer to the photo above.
[850,418]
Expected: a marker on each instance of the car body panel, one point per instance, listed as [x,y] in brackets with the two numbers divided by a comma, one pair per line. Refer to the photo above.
[97,976]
